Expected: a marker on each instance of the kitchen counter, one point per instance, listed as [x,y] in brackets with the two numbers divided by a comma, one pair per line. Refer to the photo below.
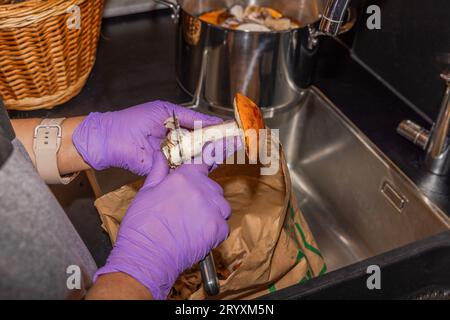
[135,64]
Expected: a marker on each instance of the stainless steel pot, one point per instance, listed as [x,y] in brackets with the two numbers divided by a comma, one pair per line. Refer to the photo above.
[272,68]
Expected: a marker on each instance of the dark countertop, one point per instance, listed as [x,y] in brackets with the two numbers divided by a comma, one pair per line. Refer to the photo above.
[135,64]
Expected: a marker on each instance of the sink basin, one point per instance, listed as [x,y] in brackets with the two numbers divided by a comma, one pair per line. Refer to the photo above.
[357,202]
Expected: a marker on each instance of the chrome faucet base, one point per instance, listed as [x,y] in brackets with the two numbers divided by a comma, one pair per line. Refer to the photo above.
[436,143]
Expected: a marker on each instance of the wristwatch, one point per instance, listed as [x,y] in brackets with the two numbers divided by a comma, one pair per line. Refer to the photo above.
[46,144]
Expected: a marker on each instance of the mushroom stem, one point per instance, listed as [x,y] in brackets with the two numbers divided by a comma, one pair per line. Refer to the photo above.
[182,145]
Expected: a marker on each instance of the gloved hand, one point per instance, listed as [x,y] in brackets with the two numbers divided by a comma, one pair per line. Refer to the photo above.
[172,224]
[131,139]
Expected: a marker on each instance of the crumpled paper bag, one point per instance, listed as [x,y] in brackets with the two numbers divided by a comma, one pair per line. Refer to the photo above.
[270,246]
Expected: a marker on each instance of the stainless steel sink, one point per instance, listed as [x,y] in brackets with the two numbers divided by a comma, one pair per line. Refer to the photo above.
[356,201]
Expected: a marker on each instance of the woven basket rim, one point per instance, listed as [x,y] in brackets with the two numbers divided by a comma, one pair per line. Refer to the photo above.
[44,62]
[21,14]
[33,3]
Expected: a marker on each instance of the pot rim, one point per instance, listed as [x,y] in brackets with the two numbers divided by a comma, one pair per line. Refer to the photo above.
[272,32]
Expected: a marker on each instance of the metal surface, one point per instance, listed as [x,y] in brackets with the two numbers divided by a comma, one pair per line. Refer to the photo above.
[271,68]
[398,200]
[209,276]
[438,152]
[333,17]
[338,176]
[414,133]
[436,143]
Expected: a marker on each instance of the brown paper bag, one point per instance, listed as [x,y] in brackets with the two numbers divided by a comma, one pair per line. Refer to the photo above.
[270,246]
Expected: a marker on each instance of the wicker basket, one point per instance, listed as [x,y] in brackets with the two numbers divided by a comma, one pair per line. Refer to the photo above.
[43,61]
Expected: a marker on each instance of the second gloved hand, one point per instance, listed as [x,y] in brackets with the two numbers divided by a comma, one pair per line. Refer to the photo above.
[131,139]
[170,226]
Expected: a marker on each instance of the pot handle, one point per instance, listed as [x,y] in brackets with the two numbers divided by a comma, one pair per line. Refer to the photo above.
[175,7]
[352,17]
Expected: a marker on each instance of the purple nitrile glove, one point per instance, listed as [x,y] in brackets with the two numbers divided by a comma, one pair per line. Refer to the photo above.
[172,224]
[131,139]
[216,153]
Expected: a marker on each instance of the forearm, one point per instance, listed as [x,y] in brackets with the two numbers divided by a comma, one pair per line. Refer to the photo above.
[69,160]
[118,286]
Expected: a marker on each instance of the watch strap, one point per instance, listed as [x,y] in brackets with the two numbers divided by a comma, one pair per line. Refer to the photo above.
[46,144]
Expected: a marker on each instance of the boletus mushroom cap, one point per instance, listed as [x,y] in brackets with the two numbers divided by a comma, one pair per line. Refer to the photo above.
[250,119]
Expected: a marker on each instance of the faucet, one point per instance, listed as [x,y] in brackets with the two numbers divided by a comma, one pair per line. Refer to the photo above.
[331,23]
[435,142]
[333,17]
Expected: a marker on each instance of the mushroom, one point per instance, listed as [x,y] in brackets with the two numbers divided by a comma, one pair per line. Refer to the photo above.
[278,24]
[238,12]
[231,23]
[252,10]
[182,145]
[214,17]
[253,27]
